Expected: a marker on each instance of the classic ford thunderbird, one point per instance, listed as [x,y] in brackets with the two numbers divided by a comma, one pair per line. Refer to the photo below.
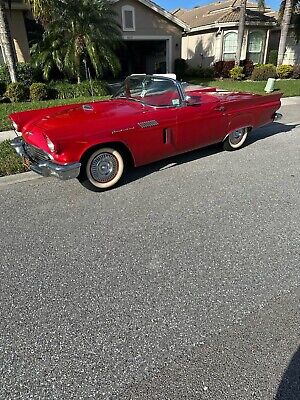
[150,118]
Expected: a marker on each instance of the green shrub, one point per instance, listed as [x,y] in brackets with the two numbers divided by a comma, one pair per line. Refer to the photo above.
[263,72]
[180,67]
[247,67]
[222,68]
[2,88]
[272,58]
[38,91]
[4,75]
[201,72]
[17,92]
[296,71]
[10,162]
[26,73]
[236,73]
[284,71]
[66,90]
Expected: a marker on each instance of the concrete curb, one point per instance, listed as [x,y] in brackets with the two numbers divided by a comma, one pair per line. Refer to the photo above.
[17,178]
[287,101]
[7,135]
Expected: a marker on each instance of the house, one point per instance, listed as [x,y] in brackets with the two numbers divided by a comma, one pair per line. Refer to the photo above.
[16,23]
[213,33]
[151,37]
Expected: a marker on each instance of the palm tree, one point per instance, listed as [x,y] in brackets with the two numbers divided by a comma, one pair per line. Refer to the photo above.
[41,10]
[241,30]
[6,42]
[79,29]
[285,14]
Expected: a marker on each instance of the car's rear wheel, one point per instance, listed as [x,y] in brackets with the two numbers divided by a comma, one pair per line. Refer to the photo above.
[235,139]
[102,169]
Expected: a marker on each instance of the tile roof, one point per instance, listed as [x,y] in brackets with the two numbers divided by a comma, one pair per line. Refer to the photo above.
[222,12]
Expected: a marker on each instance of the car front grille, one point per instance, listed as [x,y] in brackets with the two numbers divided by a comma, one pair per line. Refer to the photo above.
[35,153]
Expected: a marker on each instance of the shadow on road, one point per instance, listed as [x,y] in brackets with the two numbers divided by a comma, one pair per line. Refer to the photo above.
[289,387]
[269,130]
[259,134]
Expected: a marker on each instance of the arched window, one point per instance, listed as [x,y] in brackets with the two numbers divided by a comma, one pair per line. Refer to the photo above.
[255,47]
[128,18]
[229,46]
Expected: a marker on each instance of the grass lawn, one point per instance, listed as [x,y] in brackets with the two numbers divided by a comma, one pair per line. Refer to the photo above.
[8,108]
[289,87]
[10,162]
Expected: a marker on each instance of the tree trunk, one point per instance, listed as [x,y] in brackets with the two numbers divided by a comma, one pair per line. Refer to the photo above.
[285,24]
[6,43]
[241,30]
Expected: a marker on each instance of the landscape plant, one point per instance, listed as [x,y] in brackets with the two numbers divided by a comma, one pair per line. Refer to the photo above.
[284,71]
[82,31]
[236,73]
[38,92]
[296,71]
[17,91]
[263,72]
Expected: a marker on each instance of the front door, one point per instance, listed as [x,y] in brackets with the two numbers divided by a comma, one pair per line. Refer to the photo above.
[201,125]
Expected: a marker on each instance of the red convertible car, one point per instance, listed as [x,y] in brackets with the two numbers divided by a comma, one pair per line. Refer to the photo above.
[150,118]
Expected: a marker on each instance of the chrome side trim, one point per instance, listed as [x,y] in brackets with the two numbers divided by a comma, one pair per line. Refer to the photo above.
[148,124]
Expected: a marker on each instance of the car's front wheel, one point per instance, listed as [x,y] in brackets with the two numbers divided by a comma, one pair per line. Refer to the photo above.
[235,139]
[102,169]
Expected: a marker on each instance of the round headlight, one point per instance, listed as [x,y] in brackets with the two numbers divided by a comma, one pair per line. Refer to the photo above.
[50,144]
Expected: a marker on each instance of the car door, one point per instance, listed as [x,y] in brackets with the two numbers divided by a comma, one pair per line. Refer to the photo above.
[201,124]
[155,136]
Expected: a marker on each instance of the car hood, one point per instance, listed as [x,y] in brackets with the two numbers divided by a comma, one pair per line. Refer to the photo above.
[77,118]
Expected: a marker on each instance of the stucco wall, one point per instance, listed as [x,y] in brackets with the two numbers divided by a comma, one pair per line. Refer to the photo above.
[199,49]
[292,53]
[150,24]
[206,47]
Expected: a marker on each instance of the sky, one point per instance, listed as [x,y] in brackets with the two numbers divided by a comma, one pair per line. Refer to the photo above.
[171,5]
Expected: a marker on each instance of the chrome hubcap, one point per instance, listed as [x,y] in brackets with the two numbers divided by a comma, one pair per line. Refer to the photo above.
[236,136]
[104,167]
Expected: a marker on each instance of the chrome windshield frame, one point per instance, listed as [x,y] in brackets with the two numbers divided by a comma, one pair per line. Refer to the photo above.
[165,78]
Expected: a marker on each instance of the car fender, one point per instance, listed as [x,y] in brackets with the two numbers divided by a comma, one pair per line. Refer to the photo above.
[104,142]
[243,120]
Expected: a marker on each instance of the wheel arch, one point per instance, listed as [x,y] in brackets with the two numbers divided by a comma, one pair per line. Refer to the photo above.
[120,146]
[249,129]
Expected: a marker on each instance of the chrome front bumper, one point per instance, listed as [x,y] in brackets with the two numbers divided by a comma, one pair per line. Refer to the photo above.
[47,167]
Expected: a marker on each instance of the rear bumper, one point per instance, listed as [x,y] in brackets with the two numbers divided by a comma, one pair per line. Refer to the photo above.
[46,167]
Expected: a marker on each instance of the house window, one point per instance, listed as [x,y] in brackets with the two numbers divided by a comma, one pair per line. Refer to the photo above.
[128,18]
[255,47]
[229,46]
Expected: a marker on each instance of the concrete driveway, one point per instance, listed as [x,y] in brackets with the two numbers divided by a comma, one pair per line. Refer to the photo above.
[181,284]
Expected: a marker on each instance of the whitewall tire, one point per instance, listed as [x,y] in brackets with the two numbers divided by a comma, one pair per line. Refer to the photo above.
[235,139]
[103,169]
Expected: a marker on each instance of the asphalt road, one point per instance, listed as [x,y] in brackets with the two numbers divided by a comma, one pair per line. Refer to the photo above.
[181,284]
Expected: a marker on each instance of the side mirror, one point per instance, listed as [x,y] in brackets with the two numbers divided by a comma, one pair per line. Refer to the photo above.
[193,100]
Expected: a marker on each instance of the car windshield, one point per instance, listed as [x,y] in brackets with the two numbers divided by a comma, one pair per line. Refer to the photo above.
[150,90]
